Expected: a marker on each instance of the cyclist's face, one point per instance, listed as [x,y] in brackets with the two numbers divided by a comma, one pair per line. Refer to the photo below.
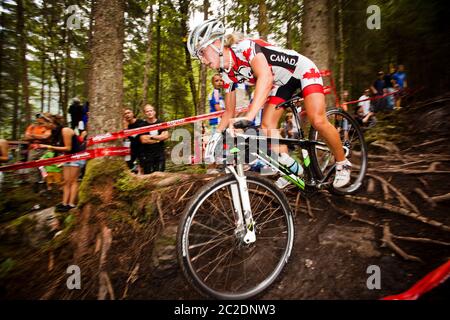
[209,57]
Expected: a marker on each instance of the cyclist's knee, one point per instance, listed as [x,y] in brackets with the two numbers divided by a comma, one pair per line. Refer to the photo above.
[319,123]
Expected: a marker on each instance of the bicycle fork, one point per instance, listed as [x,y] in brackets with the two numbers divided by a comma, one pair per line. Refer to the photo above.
[245,225]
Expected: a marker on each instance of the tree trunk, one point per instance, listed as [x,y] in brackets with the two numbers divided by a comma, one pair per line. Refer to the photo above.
[289,34]
[42,82]
[148,57]
[316,32]
[50,84]
[2,41]
[87,56]
[15,121]
[158,63]
[263,24]
[23,60]
[67,67]
[106,57]
[203,70]
[184,9]
[341,49]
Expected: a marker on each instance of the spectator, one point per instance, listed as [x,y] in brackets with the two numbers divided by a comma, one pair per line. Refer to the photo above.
[4,156]
[343,123]
[389,87]
[364,111]
[53,171]
[400,79]
[76,113]
[65,140]
[131,122]
[151,152]
[378,90]
[289,129]
[85,116]
[216,102]
[37,133]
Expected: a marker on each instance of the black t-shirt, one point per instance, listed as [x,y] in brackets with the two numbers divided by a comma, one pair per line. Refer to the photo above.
[76,111]
[155,149]
[134,140]
[137,124]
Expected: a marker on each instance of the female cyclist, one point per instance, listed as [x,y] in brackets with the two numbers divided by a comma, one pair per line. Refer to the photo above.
[276,74]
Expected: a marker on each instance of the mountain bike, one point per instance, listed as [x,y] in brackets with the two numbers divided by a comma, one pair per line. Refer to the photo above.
[236,234]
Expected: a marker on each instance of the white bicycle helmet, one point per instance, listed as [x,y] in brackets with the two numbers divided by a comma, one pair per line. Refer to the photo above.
[205,34]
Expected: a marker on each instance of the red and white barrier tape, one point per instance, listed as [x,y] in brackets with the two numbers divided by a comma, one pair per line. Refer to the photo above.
[83,155]
[165,125]
[430,281]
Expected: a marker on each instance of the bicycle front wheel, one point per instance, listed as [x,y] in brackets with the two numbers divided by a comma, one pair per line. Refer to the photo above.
[212,255]
[322,159]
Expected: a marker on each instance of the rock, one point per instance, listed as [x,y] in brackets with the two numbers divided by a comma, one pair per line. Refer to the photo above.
[309,263]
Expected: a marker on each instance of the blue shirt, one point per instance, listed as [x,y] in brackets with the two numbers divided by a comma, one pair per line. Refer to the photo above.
[216,98]
[400,78]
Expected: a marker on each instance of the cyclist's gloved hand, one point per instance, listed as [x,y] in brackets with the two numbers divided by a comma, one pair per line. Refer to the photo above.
[242,123]
[211,147]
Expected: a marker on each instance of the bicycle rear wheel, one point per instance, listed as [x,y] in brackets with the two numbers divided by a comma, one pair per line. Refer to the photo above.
[322,160]
[213,257]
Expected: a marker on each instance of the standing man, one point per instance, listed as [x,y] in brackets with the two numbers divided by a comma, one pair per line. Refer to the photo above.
[152,151]
[131,122]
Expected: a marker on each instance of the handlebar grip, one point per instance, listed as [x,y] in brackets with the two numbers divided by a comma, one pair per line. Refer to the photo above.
[242,124]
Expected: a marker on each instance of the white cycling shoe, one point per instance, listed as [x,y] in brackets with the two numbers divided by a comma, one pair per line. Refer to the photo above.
[342,176]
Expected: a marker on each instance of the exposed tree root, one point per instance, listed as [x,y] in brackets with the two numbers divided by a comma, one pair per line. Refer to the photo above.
[428,143]
[387,185]
[387,241]
[386,206]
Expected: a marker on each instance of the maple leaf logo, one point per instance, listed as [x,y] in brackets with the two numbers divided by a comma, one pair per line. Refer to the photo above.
[246,53]
[312,74]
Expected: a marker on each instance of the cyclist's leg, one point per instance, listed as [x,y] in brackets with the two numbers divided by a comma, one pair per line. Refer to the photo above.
[269,125]
[271,116]
[315,111]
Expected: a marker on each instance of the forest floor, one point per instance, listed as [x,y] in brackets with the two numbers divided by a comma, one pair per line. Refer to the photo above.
[123,236]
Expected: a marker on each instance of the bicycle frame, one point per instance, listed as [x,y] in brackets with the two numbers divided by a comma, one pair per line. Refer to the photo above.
[245,225]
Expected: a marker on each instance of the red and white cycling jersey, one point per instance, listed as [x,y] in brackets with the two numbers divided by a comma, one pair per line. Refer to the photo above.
[290,69]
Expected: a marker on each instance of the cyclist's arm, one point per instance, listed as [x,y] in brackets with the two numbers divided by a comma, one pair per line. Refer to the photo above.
[230,107]
[264,83]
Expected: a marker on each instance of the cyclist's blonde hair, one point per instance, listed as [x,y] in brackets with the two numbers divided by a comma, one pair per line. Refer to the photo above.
[232,38]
